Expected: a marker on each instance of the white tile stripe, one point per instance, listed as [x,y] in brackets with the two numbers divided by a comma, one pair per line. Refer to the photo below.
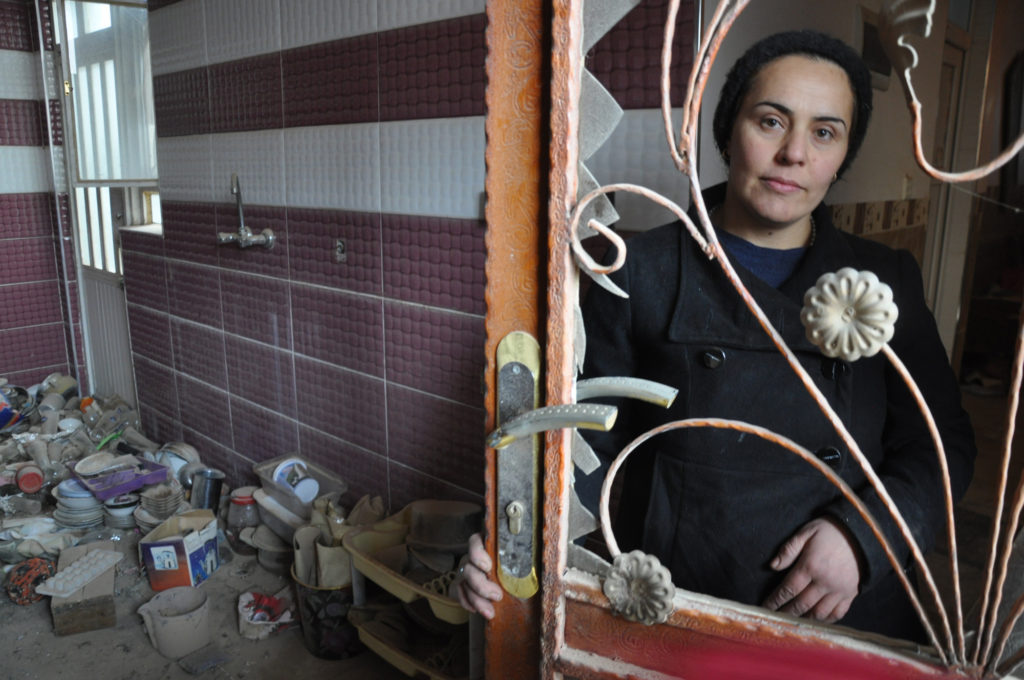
[308,22]
[195,33]
[20,75]
[242,28]
[399,13]
[333,166]
[433,167]
[257,158]
[24,169]
[184,165]
[419,167]
[637,152]
[177,37]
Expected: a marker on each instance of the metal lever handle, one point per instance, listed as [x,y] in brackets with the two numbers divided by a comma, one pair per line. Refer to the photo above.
[587,416]
[633,388]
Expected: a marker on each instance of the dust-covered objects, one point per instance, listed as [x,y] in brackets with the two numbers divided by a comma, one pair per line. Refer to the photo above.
[182,551]
[82,461]
[87,498]
[25,576]
[91,606]
[260,615]
[412,555]
[178,621]
[288,480]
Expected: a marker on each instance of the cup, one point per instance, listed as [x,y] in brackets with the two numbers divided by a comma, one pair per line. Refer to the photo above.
[206,486]
[54,402]
[295,475]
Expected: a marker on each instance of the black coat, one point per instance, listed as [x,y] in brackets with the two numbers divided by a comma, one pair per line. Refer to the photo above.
[715,505]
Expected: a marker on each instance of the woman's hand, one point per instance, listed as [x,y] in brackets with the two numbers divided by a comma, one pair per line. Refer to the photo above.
[825,573]
[473,589]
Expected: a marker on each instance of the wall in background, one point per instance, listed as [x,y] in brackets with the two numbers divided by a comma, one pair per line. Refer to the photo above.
[352,125]
[36,319]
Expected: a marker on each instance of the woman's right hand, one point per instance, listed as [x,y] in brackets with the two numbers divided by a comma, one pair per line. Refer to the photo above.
[474,590]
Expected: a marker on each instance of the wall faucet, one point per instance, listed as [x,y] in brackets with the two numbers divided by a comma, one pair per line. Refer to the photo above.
[244,236]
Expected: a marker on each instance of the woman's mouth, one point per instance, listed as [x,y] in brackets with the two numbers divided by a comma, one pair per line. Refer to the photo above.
[782,186]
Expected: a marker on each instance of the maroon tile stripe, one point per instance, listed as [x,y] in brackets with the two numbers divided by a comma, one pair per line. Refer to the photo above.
[627,59]
[17,28]
[437,261]
[27,260]
[331,83]
[182,101]
[22,122]
[246,94]
[49,26]
[34,346]
[56,123]
[434,70]
[30,304]
[26,215]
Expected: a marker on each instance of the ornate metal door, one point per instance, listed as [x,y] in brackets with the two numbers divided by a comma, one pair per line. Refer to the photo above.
[557,619]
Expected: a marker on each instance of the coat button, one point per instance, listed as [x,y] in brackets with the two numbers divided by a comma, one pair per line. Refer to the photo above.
[834,369]
[713,358]
[830,455]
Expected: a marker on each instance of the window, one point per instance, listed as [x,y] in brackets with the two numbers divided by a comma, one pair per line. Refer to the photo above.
[109,93]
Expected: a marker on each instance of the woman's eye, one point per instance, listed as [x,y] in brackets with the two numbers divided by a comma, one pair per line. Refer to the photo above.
[771,122]
[824,133]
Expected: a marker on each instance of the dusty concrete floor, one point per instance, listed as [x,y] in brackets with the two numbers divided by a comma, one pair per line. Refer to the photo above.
[30,649]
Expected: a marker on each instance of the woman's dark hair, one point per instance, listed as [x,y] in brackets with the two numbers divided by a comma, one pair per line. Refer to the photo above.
[809,43]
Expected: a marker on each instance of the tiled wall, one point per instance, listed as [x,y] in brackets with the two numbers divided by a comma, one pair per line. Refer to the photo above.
[356,121]
[35,331]
[897,224]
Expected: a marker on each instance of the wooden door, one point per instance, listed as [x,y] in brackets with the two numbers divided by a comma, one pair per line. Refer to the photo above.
[567,628]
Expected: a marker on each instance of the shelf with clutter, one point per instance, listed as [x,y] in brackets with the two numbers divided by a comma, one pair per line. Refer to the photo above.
[413,555]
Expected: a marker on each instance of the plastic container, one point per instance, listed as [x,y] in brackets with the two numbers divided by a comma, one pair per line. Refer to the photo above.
[276,517]
[242,513]
[323,612]
[285,495]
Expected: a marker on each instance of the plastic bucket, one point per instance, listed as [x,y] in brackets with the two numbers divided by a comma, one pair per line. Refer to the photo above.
[323,612]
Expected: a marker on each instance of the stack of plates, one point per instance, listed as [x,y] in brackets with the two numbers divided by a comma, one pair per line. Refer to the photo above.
[76,508]
[118,511]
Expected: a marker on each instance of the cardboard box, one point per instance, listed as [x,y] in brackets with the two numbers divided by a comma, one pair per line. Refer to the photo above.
[182,551]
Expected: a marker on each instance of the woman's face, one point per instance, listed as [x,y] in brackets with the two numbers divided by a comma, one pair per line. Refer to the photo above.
[789,138]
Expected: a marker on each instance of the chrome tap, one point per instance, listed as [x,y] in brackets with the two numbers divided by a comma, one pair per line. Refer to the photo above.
[244,236]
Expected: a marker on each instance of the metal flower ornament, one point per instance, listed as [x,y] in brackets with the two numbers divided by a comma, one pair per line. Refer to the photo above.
[849,314]
[640,588]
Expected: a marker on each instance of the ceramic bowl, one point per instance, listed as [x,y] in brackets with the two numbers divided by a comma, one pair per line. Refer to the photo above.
[123,505]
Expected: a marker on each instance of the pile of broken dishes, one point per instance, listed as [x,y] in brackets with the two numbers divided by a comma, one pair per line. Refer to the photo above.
[85,461]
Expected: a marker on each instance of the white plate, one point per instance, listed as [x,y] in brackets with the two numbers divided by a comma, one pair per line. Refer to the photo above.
[95,464]
[72,488]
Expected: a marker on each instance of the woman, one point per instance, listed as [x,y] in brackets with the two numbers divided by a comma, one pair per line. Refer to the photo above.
[729,514]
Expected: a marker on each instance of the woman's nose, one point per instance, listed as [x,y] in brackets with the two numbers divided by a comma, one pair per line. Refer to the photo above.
[793,150]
